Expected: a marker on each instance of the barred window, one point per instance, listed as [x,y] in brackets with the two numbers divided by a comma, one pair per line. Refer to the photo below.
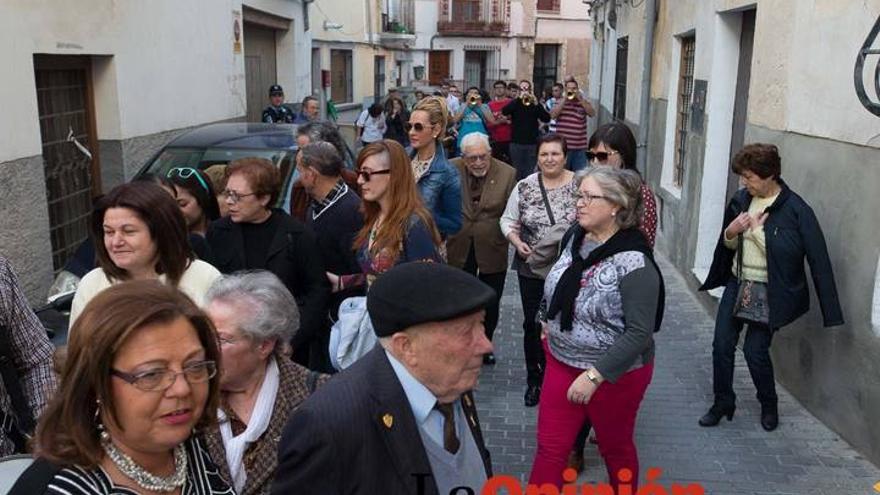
[685,94]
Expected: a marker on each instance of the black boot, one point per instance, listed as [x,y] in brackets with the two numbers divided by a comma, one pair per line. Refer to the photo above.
[716,412]
[769,417]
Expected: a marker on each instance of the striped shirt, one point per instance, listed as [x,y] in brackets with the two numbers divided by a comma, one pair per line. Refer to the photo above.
[202,478]
[572,125]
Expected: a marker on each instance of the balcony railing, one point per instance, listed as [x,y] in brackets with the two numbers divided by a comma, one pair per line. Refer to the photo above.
[474,17]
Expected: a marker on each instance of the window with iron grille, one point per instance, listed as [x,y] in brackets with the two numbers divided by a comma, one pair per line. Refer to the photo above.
[685,93]
[466,10]
[620,79]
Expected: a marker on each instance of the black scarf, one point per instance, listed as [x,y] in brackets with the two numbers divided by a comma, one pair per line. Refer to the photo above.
[570,282]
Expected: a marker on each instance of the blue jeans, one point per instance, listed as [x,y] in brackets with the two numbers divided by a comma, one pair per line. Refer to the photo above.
[756,349]
[577,160]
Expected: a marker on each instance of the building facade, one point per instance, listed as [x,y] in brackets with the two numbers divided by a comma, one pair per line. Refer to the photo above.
[800,75]
[121,79]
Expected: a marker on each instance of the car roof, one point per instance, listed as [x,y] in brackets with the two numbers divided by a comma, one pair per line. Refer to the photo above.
[238,135]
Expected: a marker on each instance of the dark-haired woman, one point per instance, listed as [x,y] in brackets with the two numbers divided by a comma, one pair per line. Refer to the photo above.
[768,232]
[195,197]
[542,203]
[614,145]
[139,233]
[139,385]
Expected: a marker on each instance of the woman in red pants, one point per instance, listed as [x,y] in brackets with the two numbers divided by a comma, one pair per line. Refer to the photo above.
[605,298]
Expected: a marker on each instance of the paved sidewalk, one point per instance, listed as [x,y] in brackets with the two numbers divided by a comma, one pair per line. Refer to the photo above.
[802,457]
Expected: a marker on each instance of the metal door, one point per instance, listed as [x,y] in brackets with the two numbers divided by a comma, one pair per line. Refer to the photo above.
[66,112]
[259,68]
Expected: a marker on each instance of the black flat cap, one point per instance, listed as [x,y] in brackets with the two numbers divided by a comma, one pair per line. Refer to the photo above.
[414,293]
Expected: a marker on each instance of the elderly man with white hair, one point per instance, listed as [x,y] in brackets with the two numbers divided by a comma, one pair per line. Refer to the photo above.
[479,247]
[255,316]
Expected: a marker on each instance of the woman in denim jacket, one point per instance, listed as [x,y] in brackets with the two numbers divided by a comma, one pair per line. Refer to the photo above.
[438,181]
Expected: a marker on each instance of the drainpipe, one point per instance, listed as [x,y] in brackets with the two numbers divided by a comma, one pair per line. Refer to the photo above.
[645,101]
[369,21]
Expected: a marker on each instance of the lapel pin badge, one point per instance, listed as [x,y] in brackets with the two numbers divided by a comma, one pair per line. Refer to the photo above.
[388,420]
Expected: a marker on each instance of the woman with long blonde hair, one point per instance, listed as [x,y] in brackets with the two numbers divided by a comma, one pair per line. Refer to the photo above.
[397,226]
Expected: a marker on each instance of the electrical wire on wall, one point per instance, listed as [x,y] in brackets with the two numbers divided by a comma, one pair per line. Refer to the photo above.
[362,32]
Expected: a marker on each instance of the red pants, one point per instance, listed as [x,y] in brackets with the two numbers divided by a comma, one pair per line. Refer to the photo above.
[612,411]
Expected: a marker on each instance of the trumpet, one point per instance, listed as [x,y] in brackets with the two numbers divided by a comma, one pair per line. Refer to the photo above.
[473,100]
[526,99]
[570,95]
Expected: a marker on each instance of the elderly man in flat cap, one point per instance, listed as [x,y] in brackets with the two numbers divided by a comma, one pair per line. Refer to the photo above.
[401,420]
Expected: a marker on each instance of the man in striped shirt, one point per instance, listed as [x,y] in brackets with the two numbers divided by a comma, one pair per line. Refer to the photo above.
[571,112]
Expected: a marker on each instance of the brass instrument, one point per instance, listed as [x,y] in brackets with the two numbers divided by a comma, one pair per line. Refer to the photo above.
[570,94]
[526,99]
[473,100]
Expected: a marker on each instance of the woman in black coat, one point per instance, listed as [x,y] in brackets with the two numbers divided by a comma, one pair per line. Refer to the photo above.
[775,230]
[255,236]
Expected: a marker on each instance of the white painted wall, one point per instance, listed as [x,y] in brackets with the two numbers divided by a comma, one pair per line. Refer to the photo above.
[165,64]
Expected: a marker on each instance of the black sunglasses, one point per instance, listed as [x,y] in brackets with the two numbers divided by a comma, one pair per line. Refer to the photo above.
[418,126]
[368,174]
[602,156]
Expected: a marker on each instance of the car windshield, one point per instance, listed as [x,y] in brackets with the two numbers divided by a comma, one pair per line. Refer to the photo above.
[204,158]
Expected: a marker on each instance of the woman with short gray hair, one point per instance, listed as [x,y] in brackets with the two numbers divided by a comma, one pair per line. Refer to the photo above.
[255,317]
[606,299]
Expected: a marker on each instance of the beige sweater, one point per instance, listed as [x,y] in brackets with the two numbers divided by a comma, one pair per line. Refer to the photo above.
[754,244]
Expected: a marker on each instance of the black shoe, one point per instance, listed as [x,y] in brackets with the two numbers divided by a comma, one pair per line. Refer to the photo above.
[533,395]
[716,412]
[769,417]
[489,358]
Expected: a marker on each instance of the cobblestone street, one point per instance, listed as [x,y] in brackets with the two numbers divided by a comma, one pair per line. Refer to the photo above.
[801,457]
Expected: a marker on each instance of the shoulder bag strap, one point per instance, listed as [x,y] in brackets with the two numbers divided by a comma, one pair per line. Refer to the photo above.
[739,257]
[546,201]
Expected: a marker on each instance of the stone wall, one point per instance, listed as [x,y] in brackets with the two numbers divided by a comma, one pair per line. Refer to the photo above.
[24,225]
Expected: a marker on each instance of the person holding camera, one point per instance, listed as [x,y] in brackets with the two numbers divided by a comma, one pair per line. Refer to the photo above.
[473,115]
[571,112]
[525,114]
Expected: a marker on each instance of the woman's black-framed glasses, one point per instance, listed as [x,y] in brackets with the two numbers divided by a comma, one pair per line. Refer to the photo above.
[588,199]
[234,196]
[601,156]
[368,174]
[418,126]
[160,380]
[186,173]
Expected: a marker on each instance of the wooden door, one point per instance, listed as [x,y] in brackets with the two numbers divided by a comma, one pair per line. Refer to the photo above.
[438,66]
[259,68]
[66,111]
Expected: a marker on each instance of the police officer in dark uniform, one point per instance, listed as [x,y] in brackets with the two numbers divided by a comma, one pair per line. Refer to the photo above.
[276,112]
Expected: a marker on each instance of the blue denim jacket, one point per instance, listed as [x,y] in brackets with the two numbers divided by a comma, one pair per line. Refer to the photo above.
[440,188]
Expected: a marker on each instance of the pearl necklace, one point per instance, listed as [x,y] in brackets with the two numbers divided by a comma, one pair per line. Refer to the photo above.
[145,479]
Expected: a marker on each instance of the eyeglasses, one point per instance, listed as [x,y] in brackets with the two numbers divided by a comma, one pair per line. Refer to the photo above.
[227,340]
[418,126]
[186,173]
[160,380]
[587,199]
[601,156]
[234,196]
[368,174]
[476,158]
